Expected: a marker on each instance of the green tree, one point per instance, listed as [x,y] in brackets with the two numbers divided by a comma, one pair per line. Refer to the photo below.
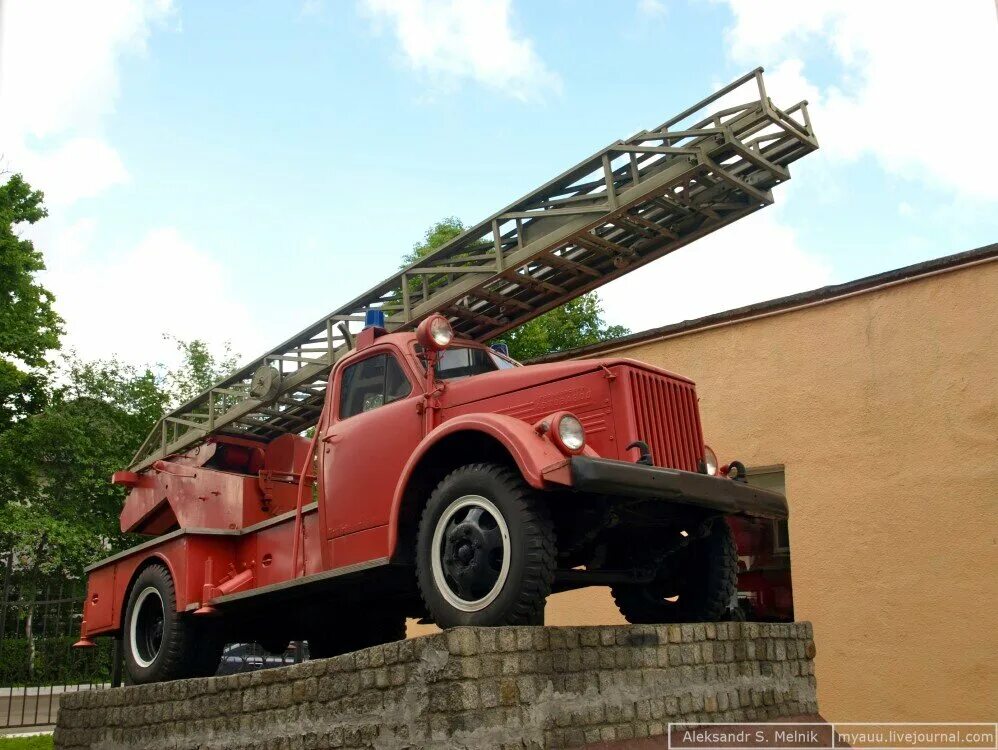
[576,323]
[436,236]
[58,508]
[29,326]
[199,369]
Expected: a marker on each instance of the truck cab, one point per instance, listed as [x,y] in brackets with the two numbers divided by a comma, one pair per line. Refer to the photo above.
[443,481]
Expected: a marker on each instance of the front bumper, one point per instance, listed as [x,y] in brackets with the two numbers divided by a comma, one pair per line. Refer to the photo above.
[608,477]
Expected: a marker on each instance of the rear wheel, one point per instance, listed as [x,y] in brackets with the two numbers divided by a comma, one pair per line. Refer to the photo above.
[699,583]
[485,552]
[159,642]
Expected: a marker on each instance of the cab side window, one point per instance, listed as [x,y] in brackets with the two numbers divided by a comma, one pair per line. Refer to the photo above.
[371,383]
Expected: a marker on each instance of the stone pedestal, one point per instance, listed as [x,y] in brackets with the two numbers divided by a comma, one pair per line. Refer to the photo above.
[470,688]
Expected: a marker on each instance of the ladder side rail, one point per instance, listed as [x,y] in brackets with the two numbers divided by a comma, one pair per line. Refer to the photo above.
[757,195]
[522,255]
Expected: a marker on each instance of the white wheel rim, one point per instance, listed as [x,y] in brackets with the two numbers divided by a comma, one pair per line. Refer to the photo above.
[133,626]
[437,552]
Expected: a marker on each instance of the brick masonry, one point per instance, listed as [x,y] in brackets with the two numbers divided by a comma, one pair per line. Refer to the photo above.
[506,687]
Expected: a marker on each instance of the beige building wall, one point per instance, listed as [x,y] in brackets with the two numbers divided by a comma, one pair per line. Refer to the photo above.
[883,408]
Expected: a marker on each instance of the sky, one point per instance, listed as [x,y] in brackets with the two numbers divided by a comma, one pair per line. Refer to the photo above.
[235,171]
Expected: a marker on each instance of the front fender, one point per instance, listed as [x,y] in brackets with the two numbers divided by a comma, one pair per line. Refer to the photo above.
[531,452]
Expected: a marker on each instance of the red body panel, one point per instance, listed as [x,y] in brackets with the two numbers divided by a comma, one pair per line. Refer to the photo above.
[265,552]
[183,555]
[233,500]
[583,391]
[99,606]
[374,447]
[204,498]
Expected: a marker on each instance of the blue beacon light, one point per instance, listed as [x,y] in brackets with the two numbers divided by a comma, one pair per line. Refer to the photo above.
[374,318]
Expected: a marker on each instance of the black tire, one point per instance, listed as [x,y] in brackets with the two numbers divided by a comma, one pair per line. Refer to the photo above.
[362,631]
[160,643]
[704,578]
[466,549]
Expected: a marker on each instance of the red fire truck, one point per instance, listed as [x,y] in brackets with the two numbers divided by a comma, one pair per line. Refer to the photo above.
[387,463]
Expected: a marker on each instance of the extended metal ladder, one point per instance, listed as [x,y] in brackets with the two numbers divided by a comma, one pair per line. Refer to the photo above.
[630,203]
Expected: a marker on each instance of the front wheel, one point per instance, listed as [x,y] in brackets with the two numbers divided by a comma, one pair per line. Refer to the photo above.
[699,583]
[160,643]
[485,552]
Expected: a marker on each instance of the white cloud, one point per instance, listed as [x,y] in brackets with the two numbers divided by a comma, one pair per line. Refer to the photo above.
[60,66]
[311,8]
[654,9]
[755,259]
[473,39]
[121,304]
[915,89]
[59,78]
[68,245]
[78,168]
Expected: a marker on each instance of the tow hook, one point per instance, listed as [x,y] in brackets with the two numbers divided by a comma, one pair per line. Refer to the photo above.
[740,474]
[645,457]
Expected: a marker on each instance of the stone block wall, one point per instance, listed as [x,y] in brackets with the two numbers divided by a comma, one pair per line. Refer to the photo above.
[505,687]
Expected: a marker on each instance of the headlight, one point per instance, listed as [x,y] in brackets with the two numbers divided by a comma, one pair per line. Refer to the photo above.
[710,460]
[569,433]
[435,333]
[441,332]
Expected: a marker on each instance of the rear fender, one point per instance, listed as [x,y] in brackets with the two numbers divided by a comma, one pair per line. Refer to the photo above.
[109,586]
[183,554]
[531,452]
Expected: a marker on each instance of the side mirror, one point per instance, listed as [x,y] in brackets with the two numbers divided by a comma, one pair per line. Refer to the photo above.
[435,333]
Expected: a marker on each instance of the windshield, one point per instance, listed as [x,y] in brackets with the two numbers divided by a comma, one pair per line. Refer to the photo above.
[465,361]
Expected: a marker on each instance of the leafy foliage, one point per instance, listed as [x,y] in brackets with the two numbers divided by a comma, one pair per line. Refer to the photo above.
[576,323]
[436,236]
[199,371]
[29,326]
[51,660]
[58,509]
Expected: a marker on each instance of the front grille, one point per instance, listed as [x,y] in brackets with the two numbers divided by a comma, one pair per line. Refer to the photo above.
[666,417]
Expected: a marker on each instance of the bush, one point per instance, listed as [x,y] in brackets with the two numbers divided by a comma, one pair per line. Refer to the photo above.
[56,662]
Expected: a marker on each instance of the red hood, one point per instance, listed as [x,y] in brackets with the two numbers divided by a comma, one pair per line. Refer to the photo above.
[487,385]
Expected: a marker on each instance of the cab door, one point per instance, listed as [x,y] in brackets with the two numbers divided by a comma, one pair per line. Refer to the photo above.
[374,427]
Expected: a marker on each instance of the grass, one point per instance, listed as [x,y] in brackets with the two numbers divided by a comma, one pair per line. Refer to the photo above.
[34,742]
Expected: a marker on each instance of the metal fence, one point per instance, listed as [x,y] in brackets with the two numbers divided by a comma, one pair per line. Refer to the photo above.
[40,621]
